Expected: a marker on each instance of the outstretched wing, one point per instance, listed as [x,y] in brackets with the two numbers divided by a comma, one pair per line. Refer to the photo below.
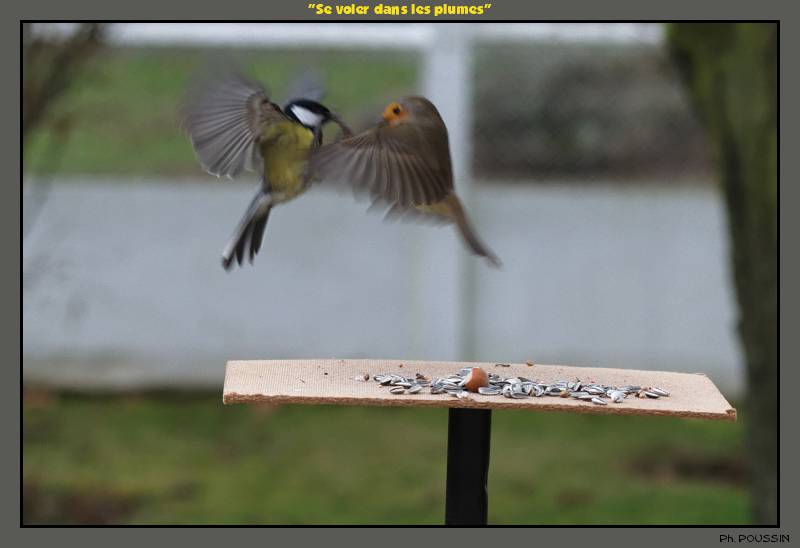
[308,84]
[403,165]
[224,116]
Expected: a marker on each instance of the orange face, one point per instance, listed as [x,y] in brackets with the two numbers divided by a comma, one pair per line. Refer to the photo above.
[394,113]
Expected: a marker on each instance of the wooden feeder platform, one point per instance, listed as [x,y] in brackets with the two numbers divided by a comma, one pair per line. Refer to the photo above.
[334,382]
[692,395]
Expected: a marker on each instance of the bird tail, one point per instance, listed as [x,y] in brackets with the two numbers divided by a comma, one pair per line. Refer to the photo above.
[468,232]
[249,232]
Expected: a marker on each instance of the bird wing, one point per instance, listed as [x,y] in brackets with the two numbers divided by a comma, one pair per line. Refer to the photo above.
[403,165]
[308,84]
[225,116]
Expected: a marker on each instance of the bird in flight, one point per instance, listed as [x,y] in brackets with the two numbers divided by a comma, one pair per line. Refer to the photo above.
[233,125]
[403,163]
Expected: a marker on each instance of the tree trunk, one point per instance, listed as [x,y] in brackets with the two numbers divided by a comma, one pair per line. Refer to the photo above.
[731,73]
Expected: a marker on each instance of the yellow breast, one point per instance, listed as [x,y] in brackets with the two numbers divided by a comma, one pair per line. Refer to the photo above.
[284,148]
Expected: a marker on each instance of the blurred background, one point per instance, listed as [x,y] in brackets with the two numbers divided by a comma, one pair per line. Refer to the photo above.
[585,165]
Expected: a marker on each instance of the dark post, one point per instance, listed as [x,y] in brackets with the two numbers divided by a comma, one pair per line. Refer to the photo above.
[468,438]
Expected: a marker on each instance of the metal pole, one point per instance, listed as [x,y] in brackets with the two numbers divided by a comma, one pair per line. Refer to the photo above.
[468,440]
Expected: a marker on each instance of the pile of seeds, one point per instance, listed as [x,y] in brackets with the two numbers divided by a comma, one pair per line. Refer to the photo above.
[516,387]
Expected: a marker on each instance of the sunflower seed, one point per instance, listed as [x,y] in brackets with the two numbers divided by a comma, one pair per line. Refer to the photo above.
[514,387]
[616,395]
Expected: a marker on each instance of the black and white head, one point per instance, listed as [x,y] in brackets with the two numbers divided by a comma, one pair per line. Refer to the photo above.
[308,113]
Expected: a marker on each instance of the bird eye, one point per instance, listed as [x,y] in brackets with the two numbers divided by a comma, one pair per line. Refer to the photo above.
[397,109]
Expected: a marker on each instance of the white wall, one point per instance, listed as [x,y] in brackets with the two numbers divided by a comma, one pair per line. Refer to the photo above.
[122,283]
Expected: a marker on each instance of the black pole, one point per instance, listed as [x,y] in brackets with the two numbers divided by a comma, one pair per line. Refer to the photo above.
[468,438]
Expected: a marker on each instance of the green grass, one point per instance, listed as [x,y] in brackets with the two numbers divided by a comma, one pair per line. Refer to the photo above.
[123,110]
[171,458]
